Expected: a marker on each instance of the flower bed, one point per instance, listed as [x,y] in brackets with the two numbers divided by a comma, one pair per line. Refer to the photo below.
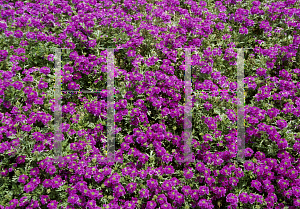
[149,104]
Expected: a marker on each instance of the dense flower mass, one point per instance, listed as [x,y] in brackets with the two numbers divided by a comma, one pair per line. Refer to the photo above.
[61,151]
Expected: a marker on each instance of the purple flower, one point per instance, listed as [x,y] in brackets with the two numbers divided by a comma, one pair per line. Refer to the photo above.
[243,30]
[179,198]
[31,35]
[23,201]
[195,194]
[188,174]
[232,198]
[152,183]
[18,34]
[13,203]
[56,182]
[281,123]
[34,204]
[233,181]
[167,158]
[144,193]
[219,191]
[143,174]
[47,183]
[203,190]
[210,180]
[203,203]
[186,190]
[131,53]
[53,204]
[167,185]
[92,43]
[29,187]
[130,204]
[119,191]
[293,173]
[134,173]
[207,137]
[248,165]
[169,169]
[34,172]
[44,199]
[200,167]
[26,128]
[261,71]
[35,181]
[220,26]
[73,199]
[91,204]
[256,184]
[271,199]
[260,155]
[131,187]
[45,70]
[283,184]
[161,199]
[208,106]
[225,171]
[151,204]
[21,159]
[244,197]
[256,3]
[296,191]
[282,144]
[22,178]
[3,55]
[51,169]
[94,194]
[248,152]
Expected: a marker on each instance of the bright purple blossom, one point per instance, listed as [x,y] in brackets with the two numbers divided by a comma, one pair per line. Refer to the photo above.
[232,198]
[22,178]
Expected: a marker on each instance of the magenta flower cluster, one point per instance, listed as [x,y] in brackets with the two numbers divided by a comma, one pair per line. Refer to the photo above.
[148,171]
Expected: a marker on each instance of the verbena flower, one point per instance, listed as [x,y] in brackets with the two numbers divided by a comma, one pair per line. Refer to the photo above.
[56,182]
[244,197]
[179,198]
[152,183]
[23,201]
[169,169]
[29,187]
[219,191]
[188,174]
[231,198]
[203,203]
[53,204]
[259,171]
[119,191]
[203,190]
[281,123]
[73,199]
[131,187]
[209,180]
[91,204]
[243,30]
[256,184]
[22,178]
[47,183]
[144,193]
[233,181]
[151,204]
[44,199]
[161,199]
[51,170]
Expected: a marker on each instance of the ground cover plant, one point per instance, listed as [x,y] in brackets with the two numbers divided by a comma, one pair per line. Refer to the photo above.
[149,104]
